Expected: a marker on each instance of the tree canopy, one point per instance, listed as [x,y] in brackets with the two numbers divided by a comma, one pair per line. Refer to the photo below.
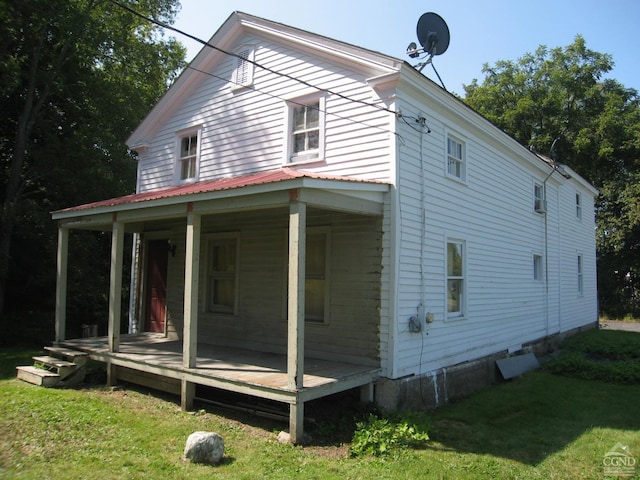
[563,93]
[76,77]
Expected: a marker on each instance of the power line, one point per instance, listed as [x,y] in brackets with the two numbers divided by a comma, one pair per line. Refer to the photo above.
[244,59]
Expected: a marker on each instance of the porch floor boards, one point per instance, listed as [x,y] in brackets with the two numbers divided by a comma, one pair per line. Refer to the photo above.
[228,368]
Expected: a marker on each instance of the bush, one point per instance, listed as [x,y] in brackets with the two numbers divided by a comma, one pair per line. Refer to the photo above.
[380,436]
[606,356]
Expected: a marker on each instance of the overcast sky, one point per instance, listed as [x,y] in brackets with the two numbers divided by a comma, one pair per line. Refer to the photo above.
[481,31]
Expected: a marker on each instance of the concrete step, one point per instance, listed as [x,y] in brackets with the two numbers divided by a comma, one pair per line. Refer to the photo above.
[75,356]
[38,376]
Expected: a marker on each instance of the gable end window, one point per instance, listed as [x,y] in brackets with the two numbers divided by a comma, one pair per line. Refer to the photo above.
[455,158]
[306,130]
[188,156]
[243,72]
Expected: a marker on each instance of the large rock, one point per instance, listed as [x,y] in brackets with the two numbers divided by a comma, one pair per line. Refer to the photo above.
[204,447]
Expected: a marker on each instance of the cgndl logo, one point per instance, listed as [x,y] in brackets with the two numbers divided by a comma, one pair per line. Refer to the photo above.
[619,461]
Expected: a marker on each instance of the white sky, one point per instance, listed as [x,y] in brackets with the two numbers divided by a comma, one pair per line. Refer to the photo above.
[482,31]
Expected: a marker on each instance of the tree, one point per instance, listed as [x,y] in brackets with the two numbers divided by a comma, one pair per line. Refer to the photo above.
[563,94]
[75,78]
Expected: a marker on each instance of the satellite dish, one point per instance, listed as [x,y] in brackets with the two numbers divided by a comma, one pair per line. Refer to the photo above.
[433,34]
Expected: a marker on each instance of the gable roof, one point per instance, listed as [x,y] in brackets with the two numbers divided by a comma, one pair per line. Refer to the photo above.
[221,45]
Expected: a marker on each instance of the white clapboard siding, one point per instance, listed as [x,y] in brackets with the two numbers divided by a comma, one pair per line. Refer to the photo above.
[243,129]
[351,332]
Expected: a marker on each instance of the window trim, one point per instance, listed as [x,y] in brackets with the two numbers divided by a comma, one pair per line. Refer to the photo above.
[310,156]
[580,274]
[244,65]
[539,201]
[178,159]
[210,242]
[538,267]
[326,230]
[578,205]
[461,313]
[458,139]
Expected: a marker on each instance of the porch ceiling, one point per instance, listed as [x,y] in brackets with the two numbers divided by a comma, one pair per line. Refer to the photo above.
[262,190]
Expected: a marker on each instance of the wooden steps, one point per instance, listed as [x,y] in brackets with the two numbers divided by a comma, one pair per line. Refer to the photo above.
[60,367]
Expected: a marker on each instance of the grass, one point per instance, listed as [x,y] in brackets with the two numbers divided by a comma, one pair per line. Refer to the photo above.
[541,426]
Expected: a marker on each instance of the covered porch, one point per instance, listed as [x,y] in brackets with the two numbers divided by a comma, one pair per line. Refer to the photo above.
[277,359]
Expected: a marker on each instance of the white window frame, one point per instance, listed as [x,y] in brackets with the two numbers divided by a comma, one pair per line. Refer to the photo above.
[578,205]
[539,197]
[452,158]
[538,267]
[179,159]
[311,231]
[211,276]
[244,67]
[462,279]
[311,155]
[580,274]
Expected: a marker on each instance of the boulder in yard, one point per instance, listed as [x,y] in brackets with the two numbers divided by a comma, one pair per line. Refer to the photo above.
[204,447]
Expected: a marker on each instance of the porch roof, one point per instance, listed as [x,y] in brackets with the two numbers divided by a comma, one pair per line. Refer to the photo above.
[268,188]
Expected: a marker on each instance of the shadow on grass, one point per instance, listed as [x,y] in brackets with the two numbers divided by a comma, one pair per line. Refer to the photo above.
[11,357]
[535,416]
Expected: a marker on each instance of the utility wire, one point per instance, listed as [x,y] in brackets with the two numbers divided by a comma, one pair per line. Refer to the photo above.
[270,70]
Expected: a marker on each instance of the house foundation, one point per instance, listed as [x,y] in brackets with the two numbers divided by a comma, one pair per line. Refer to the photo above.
[438,387]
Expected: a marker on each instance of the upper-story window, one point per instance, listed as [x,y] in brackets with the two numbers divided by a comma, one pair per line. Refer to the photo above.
[306,129]
[455,158]
[539,200]
[188,156]
[243,72]
[578,206]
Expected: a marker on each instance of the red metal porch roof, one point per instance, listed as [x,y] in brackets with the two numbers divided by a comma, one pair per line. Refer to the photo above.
[228,183]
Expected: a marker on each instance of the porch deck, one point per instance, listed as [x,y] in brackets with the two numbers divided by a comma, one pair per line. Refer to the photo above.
[248,372]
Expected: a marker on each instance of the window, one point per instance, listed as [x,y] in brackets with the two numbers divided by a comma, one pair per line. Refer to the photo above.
[455,158]
[316,277]
[539,201]
[188,155]
[222,268]
[316,304]
[306,131]
[243,72]
[580,276]
[455,279]
[578,206]
[537,267]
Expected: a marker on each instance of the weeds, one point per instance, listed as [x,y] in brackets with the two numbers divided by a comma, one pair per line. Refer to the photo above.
[381,436]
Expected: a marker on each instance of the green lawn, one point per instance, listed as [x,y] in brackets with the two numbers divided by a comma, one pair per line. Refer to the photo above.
[541,426]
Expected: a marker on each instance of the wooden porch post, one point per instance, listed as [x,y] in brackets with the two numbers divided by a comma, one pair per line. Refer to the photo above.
[115,286]
[191,282]
[295,316]
[61,283]
[115,296]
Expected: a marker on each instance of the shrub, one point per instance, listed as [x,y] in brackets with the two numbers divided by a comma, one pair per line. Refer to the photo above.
[606,356]
[381,436]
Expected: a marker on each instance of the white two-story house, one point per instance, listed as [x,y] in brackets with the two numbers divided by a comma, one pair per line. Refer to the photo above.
[311,216]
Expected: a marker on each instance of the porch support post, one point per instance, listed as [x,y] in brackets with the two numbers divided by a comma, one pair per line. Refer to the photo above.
[295,315]
[61,283]
[191,282]
[115,286]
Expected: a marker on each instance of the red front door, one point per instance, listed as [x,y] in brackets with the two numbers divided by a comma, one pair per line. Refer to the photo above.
[156,288]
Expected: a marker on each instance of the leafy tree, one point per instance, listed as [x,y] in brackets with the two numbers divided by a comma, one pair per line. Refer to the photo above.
[75,78]
[563,93]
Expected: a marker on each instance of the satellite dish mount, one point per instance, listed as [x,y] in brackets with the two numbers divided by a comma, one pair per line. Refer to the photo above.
[433,35]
